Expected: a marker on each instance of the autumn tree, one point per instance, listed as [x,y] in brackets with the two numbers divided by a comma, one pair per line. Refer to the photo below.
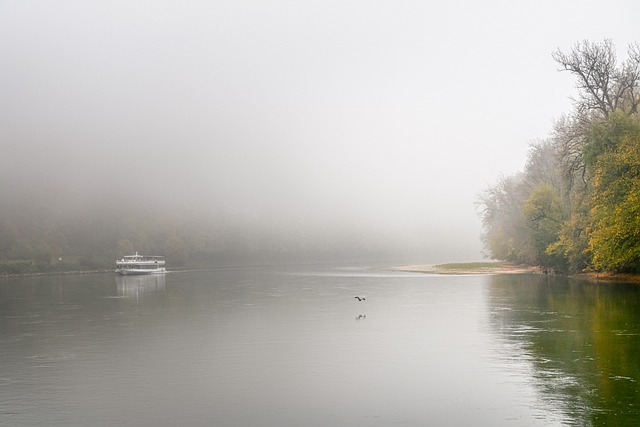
[506,235]
[522,214]
[615,214]
[604,86]
[543,211]
[576,204]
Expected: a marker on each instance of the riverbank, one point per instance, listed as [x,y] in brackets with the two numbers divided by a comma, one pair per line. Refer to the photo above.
[610,277]
[497,267]
[53,273]
[469,268]
[502,267]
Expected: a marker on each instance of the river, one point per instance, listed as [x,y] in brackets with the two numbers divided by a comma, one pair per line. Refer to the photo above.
[291,346]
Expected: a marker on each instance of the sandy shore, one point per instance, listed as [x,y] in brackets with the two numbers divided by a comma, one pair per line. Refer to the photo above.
[500,267]
[469,268]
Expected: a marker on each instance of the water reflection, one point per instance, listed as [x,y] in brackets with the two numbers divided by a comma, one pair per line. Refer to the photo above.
[137,286]
[581,339]
[288,347]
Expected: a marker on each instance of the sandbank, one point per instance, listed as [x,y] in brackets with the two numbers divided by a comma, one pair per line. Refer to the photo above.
[497,267]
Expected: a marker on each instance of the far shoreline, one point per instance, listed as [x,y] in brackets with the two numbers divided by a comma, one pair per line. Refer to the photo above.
[470,268]
[504,267]
[461,268]
[53,273]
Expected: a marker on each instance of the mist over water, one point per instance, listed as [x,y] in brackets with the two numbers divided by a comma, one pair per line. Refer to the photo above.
[380,122]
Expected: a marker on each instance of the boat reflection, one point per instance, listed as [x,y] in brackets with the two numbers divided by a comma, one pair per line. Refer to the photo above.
[136,286]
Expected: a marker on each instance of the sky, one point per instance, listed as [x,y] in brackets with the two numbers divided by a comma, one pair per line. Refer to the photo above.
[388,116]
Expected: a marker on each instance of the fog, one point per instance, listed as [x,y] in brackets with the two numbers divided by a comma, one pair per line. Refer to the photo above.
[383,117]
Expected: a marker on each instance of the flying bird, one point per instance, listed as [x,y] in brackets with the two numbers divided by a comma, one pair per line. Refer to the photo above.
[360,298]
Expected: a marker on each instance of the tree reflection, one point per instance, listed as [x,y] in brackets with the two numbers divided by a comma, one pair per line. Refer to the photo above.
[582,340]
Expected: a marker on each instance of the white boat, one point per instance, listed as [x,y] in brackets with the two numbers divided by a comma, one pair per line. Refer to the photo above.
[140,264]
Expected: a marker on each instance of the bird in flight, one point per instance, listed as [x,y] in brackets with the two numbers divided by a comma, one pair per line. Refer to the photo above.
[360,298]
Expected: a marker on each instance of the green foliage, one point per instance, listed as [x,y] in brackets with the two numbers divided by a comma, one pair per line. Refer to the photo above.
[507,235]
[605,136]
[573,243]
[602,229]
[520,221]
[542,208]
[615,240]
[543,211]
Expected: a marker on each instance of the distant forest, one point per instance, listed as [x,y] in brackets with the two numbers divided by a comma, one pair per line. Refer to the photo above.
[45,232]
[576,205]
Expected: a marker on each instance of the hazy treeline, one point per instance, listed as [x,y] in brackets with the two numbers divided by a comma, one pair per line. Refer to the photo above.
[576,205]
[42,233]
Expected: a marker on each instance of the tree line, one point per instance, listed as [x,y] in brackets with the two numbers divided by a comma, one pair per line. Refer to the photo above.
[45,232]
[576,205]
[37,235]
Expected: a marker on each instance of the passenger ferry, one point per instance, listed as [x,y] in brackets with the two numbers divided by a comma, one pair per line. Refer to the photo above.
[140,264]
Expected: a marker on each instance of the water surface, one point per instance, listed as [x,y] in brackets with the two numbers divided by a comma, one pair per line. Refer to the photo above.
[291,346]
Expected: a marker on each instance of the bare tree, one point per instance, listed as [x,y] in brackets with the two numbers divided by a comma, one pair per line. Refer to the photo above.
[603,86]
[543,166]
[629,82]
[569,136]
